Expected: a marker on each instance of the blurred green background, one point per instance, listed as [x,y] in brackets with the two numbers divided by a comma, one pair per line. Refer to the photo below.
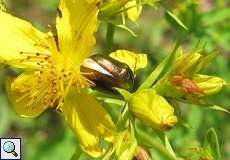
[48,138]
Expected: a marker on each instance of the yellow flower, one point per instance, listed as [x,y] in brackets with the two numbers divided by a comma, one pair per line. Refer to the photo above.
[52,76]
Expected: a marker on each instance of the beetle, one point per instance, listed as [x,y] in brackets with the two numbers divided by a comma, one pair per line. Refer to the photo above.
[106,72]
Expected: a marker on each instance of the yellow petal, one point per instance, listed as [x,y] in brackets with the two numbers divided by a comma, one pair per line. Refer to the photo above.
[135,61]
[134,11]
[89,120]
[19,36]
[24,104]
[152,109]
[76,23]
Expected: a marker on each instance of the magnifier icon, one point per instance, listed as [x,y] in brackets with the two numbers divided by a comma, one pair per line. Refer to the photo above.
[9,147]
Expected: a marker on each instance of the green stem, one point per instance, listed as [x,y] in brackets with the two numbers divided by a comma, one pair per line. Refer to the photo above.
[109,38]
[112,101]
[123,118]
[150,140]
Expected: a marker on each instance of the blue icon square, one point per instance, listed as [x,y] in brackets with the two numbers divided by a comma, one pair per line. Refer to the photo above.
[10,148]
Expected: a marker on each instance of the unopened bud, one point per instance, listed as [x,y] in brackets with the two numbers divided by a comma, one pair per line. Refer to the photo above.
[152,109]
[186,85]
[111,8]
[142,154]
[209,84]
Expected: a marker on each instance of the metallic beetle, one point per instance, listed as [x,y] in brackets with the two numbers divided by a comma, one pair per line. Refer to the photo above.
[107,72]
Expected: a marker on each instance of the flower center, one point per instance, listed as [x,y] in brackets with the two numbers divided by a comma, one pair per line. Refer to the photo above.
[50,80]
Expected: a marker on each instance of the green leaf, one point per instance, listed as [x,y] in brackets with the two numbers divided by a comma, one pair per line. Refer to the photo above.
[155,74]
[168,146]
[211,144]
[126,94]
[121,123]
[112,101]
[172,18]
[159,69]
[218,108]
[127,29]
[164,138]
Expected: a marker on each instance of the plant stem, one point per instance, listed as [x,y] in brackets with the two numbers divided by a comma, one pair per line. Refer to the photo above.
[159,147]
[109,38]
[123,118]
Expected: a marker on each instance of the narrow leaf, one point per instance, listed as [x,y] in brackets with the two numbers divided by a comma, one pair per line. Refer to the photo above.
[211,144]
[218,108]
[155,74]
[168,146]
[159,69]
[175,20]
[164,138]
[126,94]
[127,29]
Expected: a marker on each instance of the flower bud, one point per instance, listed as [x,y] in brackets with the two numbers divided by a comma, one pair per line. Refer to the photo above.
[111,8]
[187,64]
[152,109]
[183,82]
[208,84]
[142,154]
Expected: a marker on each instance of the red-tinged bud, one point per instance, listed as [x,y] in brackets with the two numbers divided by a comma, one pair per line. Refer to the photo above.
[177,79]
[186,85]
[142,154]
[189,87]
